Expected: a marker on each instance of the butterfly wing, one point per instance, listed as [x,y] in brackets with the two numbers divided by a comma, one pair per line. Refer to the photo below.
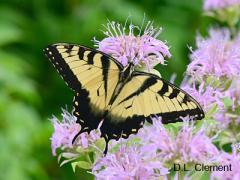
[91,74]
[143,97]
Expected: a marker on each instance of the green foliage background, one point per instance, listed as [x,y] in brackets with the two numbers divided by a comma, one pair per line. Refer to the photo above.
[31,90]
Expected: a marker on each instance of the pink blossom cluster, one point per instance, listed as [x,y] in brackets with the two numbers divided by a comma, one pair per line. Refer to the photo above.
[218,55]
[206,95]
[129,163]
[64,132]
[186,146]
[219,4]
[232,159]
[143,49]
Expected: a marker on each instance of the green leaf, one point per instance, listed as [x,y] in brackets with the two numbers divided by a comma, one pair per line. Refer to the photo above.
[213,81]
[227,84]
[81,164]
[173,127]
[225,137]
[212,111]
[133,141]
[67,161]
[237,111]
[200,175]
[100,143]
[69,155]
[227,102]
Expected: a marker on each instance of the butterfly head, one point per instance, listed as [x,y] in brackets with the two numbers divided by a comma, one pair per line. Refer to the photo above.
[128,70]
[131,66]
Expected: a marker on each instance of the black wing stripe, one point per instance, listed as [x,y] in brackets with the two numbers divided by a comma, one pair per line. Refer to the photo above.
[81,52]
[177,116]
[105,63]
[147,83]
[174,93]
[164,89]
[69,49]
[90,57]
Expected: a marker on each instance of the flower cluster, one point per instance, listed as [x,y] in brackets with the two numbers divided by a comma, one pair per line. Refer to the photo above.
[207,96]
[218,4]
[217,55]
[129,163]
[64,132]
[150,154]
[186,146]
[215,68]
[229,159]
[143,49]
[234,93]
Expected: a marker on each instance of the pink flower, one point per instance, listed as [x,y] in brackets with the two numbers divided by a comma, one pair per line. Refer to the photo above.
[229,159]
[65,131]
[206,96]
[234,93]
[143,49]
[217,55]
[186,146]
[229,114]
[223,119]
[219,4]
[129,163]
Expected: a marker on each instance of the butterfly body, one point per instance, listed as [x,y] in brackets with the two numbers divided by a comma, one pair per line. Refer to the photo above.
[119,97]
[125,76]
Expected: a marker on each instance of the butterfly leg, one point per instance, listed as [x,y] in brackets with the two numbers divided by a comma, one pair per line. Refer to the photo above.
[80,132]
[106,146]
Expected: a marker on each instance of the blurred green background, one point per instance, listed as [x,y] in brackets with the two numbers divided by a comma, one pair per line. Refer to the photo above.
[30,89]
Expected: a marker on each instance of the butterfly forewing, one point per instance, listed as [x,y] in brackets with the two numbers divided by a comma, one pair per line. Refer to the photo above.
[89,73]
